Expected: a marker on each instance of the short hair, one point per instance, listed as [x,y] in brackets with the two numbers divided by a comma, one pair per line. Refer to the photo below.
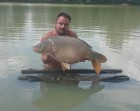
[64,15]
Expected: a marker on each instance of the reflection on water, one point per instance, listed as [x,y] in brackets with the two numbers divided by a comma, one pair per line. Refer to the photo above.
[111,30]
[65,97]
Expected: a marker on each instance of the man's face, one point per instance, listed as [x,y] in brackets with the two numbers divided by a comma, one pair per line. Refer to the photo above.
[62,25]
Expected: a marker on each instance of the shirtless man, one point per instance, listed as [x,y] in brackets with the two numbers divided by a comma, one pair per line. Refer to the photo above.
[61,29]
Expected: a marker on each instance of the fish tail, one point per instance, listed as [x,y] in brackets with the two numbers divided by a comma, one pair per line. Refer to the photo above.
[96,65]
[99,57]
[96,61]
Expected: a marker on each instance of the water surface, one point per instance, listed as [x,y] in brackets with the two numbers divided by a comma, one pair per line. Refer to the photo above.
[111,30]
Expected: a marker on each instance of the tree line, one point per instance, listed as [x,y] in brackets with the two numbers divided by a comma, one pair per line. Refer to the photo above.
[78,1]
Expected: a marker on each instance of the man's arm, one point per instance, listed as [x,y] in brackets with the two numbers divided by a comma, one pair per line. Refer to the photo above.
[46,59]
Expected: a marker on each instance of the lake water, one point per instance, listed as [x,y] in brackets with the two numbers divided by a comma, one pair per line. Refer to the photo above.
[111,30]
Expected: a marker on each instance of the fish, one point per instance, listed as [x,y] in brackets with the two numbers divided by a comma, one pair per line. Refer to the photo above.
[68,50]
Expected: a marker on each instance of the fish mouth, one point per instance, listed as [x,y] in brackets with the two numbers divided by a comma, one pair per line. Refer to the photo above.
[34,49]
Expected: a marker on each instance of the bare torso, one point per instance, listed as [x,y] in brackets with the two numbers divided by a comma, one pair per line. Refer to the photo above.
[49,62]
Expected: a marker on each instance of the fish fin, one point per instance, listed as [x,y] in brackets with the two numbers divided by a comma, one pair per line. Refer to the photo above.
[86,43]
[96,65]
[65,66]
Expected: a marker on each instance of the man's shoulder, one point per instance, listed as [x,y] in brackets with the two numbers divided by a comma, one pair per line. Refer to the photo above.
[47,35]
[72,34]
[50,33]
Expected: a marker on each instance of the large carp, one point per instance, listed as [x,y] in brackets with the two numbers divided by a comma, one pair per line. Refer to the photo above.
[68,50]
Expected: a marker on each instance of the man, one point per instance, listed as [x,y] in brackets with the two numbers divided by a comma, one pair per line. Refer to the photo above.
[61,29]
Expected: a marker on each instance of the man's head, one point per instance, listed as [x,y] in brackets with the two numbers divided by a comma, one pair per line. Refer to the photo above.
[62,23]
